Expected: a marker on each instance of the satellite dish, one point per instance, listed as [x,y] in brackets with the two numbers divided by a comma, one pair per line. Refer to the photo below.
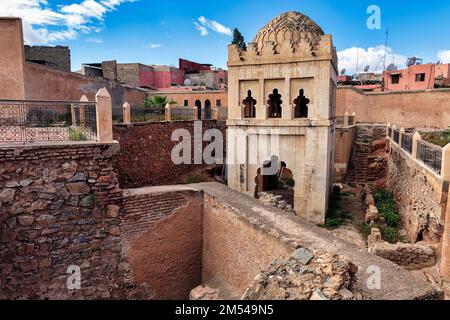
[343,71]
[187,82]
[391,67]
[366,68]
[354,76]
[439,62]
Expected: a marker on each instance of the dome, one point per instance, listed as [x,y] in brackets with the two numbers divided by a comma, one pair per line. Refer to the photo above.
[290,26]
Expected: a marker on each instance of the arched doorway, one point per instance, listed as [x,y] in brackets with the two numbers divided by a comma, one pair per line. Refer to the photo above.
[208,110]
[275,182]
[198,106]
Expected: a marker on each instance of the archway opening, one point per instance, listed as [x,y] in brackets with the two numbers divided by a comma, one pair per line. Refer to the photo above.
[208,110]
[301,105]
[275,184]
[198,106]
[274,104]
[249,105]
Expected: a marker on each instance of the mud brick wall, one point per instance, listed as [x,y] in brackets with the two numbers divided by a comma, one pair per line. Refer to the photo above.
[419,194]
[368,159]
[145,152]
[162,243]
[59,207]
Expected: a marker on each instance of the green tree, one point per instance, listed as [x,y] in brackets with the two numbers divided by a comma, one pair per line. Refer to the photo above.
[238,39]
[155,102]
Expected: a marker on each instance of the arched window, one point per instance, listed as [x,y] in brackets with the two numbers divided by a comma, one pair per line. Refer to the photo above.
[301,105]
[198,106]
[249,105]
[208,110]
[274,104]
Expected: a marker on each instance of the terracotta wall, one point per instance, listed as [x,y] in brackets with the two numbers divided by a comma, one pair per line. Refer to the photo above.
[44,83]
[162,242]
[408,109]
[145,156]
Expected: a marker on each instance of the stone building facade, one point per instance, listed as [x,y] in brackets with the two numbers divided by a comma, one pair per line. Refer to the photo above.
[284,86]
[54,57]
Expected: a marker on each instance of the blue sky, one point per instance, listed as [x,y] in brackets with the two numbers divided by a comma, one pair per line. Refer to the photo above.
[160,32]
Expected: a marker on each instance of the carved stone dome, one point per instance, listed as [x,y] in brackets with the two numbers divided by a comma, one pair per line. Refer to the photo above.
[291,27]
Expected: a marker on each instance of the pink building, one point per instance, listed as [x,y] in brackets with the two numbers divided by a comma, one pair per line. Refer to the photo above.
[417,77]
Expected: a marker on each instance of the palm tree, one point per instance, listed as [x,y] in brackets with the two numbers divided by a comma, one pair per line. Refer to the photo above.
[155,102]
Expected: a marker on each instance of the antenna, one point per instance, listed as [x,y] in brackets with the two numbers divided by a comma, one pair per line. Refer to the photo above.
[366,68]
[343,71]
[385,49]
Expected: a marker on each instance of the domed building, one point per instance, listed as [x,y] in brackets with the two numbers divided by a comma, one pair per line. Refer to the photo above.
[282,93]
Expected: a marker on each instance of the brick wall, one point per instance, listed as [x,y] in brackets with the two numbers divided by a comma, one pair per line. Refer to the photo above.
[59,207]
[56,57]
[145,156]
[162,242]
[368,158]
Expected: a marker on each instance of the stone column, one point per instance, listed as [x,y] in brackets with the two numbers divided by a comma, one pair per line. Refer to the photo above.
[445,251]
[445,165]
[346,120]
[104,116]
[168,112]
[416,138]
[126,111]
[287,108]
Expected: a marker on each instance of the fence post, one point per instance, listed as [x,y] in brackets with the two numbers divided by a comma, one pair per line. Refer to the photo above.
[104,116]
[346,120]
[168,112]
[354,118]
[445,165]
[416,138]
[126,111]
[400,136]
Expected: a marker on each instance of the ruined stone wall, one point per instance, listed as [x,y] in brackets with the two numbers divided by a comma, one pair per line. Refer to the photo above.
[56,57]
[145,156]
[343,144]
[368,158]
[420,196]
[59,207]
[162,242]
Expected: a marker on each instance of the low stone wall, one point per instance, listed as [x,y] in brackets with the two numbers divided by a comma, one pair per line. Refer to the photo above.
[145,156]
[53,215]
[420,195]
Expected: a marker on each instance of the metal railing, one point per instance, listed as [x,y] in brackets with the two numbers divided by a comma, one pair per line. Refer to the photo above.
[396,136]
[183,114]
[407,142]
[222,113]
[430,154]
[148,114]
[351,120]
[31,121]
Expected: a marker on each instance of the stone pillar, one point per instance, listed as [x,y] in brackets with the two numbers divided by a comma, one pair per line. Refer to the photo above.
[416,137]
[445,251]
[346,120]
[168,112]
[400,137]
[354,118]
[12,59]
[445,165]
[126,111]
[104,116]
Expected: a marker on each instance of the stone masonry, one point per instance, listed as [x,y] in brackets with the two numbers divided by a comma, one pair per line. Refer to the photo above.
[59,208]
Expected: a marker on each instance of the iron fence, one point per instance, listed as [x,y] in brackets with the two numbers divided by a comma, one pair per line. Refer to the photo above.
[396,136]
[148,114]
[222,113]
[430,154]
[29,121]
[183,114]
[407,142]
[339,121]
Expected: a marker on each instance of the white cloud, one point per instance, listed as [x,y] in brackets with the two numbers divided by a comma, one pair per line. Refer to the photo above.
[444,56]
[373,56]
[44,23]
[155,45]
[94,40]
[204,24]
